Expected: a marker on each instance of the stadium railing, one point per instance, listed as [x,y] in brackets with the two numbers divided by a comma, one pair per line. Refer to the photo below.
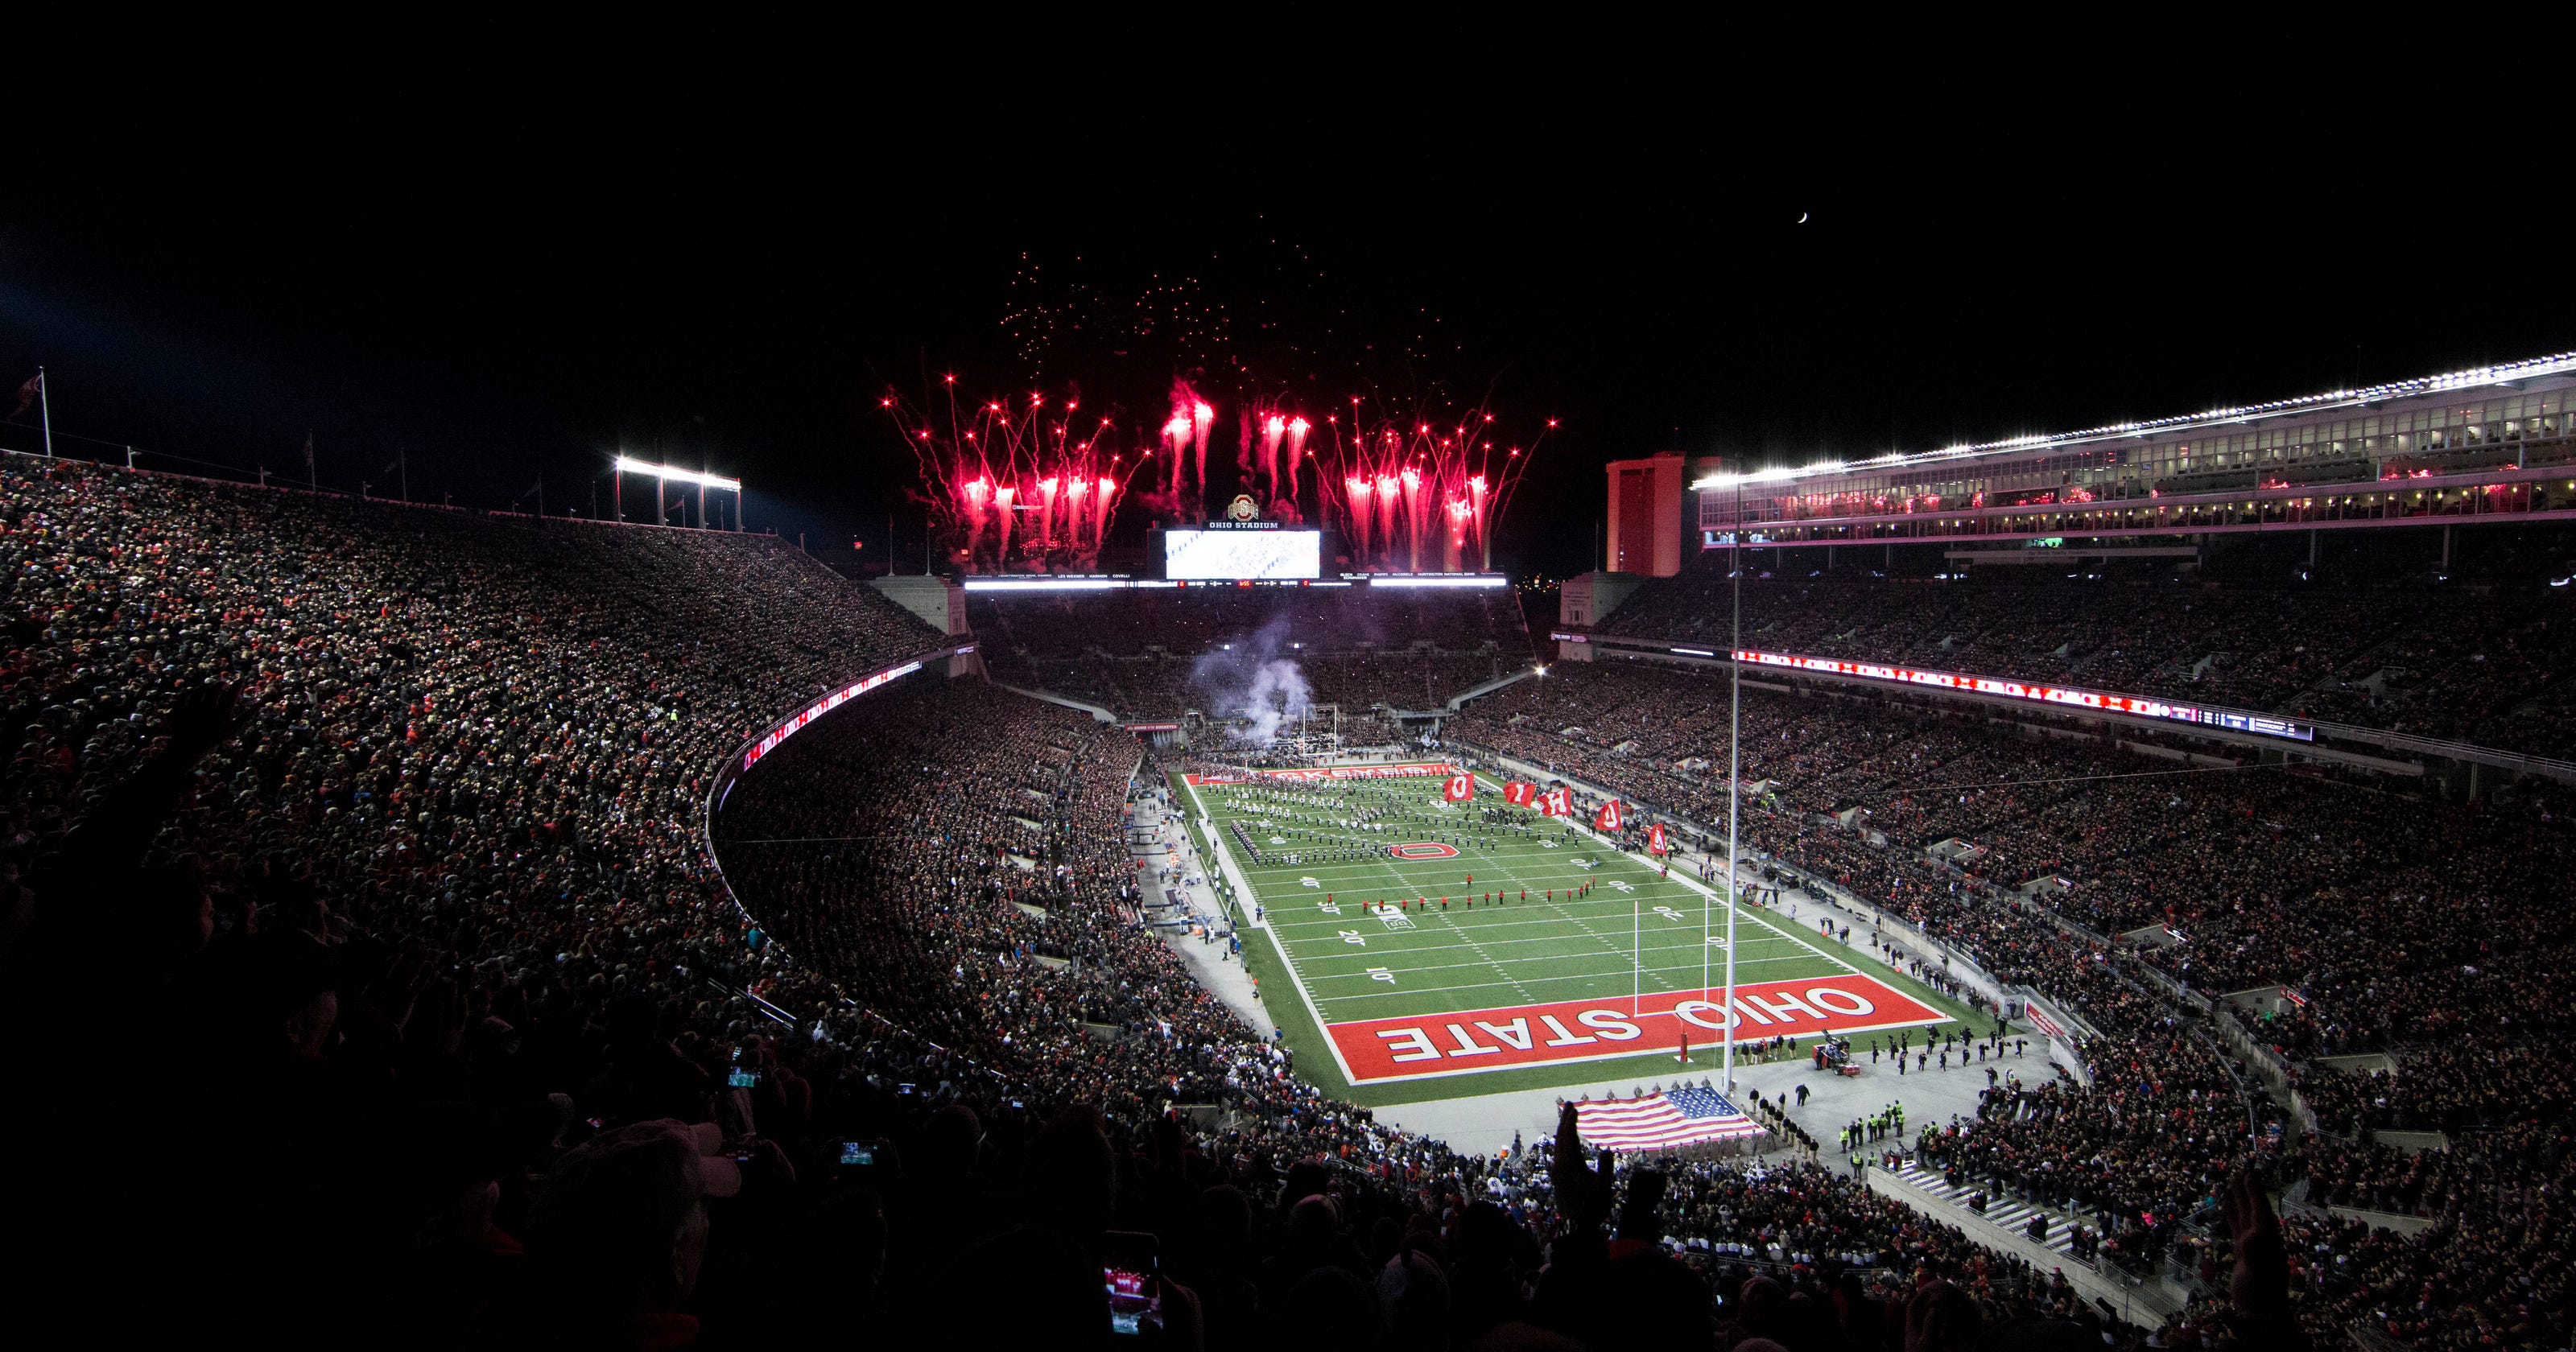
[731,766]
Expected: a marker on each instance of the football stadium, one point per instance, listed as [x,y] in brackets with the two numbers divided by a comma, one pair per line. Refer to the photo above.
[1179,829]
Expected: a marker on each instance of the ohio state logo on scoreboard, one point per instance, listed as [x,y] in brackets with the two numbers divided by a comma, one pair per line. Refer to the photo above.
[1423,849]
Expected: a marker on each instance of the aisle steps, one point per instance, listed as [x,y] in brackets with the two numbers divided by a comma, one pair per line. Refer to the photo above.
[2010,1212]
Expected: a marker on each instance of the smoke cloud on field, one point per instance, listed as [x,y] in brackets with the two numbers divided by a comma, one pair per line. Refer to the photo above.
[1251,681]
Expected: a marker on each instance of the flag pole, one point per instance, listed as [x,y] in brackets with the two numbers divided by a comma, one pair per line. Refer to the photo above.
[1734,767]
[45,406]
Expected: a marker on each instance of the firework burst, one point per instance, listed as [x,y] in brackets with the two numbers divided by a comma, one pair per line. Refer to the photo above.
[1033,484]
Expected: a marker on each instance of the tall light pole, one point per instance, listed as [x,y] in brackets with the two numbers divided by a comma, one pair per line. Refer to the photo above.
[1734,731]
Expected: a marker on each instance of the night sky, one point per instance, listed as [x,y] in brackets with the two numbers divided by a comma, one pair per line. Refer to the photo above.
[512,251]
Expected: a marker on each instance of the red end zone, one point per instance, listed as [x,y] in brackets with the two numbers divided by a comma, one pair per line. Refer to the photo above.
[1591,1030]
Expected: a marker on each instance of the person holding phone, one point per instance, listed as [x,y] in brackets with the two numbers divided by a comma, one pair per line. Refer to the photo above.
[1063,1278]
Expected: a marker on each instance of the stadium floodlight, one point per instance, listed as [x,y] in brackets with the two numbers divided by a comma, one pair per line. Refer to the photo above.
[629,465]
[2506,375]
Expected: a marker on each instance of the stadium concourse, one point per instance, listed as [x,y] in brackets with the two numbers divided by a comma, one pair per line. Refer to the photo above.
[379,964]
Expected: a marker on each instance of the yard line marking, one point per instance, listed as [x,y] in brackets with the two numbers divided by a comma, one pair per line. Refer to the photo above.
[1216,844]
[1692,966]
[1480,952]
[1489,985]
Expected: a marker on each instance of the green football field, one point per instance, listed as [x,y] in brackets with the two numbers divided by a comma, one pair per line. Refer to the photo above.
[1539,918]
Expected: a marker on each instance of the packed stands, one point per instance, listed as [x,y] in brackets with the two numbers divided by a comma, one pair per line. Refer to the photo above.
[360,836]
[2275,877]
[1158,652]
[2491,666]
[363,947]
[446,821]
[2435,932]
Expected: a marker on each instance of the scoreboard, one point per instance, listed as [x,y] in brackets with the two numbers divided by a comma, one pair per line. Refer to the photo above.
[1221,555]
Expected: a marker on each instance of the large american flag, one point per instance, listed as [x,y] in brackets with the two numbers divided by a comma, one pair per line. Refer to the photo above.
[1684,1115]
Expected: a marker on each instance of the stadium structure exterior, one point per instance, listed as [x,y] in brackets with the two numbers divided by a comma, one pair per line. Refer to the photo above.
[2489,445]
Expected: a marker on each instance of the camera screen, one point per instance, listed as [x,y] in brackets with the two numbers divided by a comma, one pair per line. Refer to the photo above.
[1135,1300]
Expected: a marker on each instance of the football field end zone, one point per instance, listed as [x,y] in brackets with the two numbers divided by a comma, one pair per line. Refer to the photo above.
[1475,1042]
[1319,1060]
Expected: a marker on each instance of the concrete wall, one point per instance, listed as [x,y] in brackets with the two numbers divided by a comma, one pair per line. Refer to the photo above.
[1583,600]
[939,601]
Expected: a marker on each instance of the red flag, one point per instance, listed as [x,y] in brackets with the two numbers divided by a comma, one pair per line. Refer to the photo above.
[1655,839]
[1608,819]
[1519,794]
[1557,802]
[27,395]
[1459,789]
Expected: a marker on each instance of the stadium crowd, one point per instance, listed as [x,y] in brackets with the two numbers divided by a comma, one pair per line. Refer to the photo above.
[2494,668]
[2395,918]
[369,972]
[305,795]
[2427,930]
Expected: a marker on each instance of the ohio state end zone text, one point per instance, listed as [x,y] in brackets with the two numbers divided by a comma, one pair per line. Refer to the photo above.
[1416,1046]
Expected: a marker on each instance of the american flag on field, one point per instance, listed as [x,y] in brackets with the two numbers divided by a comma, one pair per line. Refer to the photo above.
[1684,1115]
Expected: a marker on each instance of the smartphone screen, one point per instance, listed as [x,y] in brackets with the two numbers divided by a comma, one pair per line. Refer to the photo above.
[1131,1269]
[742,1079]
[858,1154]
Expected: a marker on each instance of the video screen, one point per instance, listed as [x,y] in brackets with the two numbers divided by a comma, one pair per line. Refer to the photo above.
[1228,555]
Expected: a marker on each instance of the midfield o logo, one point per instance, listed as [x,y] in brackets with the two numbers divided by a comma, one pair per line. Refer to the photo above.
[1422,849]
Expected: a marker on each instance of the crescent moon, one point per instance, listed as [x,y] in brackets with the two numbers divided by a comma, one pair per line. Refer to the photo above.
[1802,218]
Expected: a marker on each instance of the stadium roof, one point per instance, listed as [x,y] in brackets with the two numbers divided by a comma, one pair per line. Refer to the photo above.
[2508,374]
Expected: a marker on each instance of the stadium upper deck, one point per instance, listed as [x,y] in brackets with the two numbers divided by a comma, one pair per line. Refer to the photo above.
[2491,443]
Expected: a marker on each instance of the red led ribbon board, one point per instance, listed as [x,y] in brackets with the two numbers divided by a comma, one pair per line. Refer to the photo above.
[1423,1045]
[2141,706]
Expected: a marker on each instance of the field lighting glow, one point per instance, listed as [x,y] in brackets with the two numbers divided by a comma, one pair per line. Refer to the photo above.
[630,465]
[2506,374]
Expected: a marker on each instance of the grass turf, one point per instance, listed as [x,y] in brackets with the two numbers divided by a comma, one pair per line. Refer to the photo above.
[1315,873]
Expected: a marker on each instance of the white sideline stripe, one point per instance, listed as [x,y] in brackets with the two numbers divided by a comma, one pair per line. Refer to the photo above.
[1216,842]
